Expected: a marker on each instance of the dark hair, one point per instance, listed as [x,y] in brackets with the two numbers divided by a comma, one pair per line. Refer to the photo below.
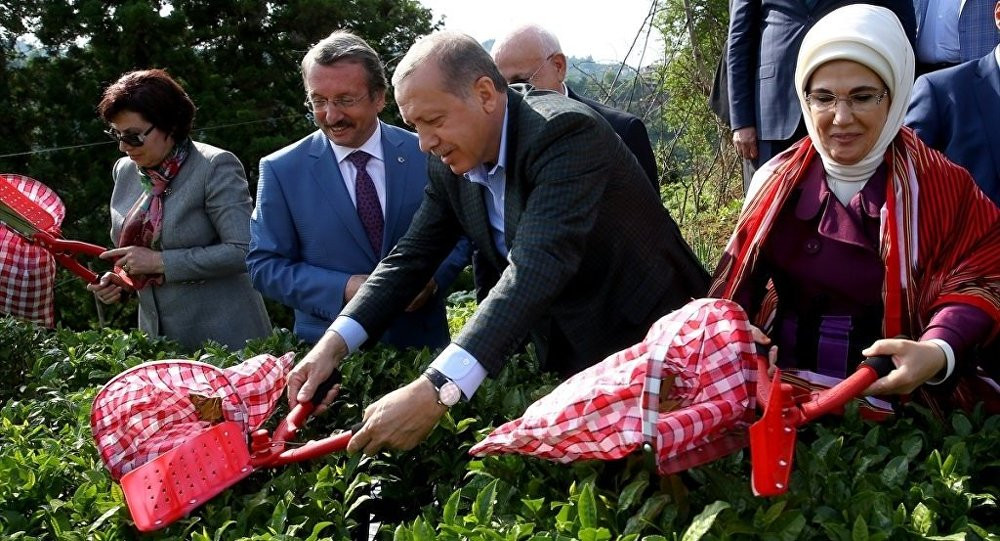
[460,58]
[154,95]
[342,45]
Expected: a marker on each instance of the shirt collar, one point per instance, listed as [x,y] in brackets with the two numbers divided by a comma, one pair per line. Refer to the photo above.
[372,146]
[814,192]
[479,174]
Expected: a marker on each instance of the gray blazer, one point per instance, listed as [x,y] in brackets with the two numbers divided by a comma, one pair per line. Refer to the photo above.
[206,230]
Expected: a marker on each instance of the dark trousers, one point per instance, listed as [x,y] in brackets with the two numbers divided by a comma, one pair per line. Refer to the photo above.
[766,150]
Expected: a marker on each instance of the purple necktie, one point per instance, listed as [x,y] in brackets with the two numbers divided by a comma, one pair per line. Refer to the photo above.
[369,209]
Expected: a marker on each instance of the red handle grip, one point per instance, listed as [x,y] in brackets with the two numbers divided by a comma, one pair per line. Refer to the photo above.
[314,449]
[835,397]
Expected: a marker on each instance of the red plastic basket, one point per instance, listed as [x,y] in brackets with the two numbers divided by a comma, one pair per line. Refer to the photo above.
[170,486]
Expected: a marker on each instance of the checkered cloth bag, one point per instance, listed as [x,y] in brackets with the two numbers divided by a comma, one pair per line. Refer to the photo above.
[688,390]
[28,272]
[154,407]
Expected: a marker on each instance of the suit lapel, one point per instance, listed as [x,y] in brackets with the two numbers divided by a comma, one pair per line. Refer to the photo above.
[986,91]
[395,186]
[325,173]
[513,202]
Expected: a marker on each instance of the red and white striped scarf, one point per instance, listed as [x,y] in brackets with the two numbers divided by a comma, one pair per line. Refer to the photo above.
[940,235]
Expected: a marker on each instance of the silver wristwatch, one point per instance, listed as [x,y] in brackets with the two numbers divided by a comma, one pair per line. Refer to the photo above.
[448,392]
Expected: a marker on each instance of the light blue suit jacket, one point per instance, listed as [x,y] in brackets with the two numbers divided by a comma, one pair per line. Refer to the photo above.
[956,111]
[977,30]
[306,239]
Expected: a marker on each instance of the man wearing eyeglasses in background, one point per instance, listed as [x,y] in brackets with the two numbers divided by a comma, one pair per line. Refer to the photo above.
[531,54]
[331,205]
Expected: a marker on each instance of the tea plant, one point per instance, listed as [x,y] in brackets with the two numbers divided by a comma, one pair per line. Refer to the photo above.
[912,477]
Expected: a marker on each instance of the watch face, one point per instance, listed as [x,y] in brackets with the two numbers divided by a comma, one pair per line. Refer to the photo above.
[450,394]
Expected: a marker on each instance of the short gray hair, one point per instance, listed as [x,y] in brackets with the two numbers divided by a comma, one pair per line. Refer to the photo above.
[342,45]
[461,59]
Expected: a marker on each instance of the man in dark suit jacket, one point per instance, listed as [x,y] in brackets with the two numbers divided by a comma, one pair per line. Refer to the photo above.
[589,258]
[955,110]
[309,248]
[764,40]
[531,54]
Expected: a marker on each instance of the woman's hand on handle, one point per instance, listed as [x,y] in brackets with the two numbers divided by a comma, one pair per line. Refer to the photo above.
[916,362]
[772,351]
[105,289]
[136,259]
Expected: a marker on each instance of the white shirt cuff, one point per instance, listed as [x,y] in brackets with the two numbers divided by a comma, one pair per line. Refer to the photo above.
[949,356]
[461,367]
[351,331]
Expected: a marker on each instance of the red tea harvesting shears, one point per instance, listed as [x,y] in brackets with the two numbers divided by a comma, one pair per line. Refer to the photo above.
[36,225]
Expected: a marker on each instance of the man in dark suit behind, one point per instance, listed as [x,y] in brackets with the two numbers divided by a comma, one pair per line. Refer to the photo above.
[531,54]
[588,257]
[955,110]
[764,40]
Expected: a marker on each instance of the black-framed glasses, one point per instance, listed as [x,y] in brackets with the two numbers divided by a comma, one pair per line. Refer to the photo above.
[131,139]
[824,102]
[343,103]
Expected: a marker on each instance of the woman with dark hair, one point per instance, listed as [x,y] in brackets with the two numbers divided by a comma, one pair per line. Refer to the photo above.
[180,219]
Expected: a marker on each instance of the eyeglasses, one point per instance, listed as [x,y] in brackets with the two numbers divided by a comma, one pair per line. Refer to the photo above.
[319,104]
[517,80]
[824,102]
[131,139]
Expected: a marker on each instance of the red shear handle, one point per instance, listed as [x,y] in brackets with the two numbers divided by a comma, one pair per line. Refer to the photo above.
[317,448]
[65,251]
[835,397]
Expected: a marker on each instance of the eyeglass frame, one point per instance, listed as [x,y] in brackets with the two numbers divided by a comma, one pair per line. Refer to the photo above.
[129,138]
[849,100]
[534,73]
[342,103]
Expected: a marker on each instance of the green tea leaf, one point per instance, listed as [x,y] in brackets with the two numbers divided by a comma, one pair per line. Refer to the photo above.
[895,471]
[860,530]
[587,507]
[482,508]
[450,510]
[961,425]
[704,521]
[922,519]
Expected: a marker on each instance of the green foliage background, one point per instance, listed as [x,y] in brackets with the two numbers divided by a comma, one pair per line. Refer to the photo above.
[910,478]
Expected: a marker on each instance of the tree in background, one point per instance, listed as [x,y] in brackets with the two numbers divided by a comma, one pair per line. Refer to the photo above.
[705,189]
[699,172]
[238,59]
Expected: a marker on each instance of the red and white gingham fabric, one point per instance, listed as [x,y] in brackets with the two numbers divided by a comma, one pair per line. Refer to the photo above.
[147,411]
[612,408]
[28,272]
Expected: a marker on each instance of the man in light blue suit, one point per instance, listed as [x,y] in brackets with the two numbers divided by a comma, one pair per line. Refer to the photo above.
[956,110]
[331,205]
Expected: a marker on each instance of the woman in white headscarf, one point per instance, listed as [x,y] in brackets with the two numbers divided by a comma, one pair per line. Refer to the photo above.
[859,240]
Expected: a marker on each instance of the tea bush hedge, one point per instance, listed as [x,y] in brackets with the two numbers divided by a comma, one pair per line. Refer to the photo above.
[910,478]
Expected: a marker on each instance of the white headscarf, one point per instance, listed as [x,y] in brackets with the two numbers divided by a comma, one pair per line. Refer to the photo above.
[873,37]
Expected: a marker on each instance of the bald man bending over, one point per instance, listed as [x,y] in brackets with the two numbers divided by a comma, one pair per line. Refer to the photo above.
[531,54]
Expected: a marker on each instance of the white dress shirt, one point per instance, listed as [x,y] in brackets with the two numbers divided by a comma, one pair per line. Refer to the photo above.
[454,362]
[375,167]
